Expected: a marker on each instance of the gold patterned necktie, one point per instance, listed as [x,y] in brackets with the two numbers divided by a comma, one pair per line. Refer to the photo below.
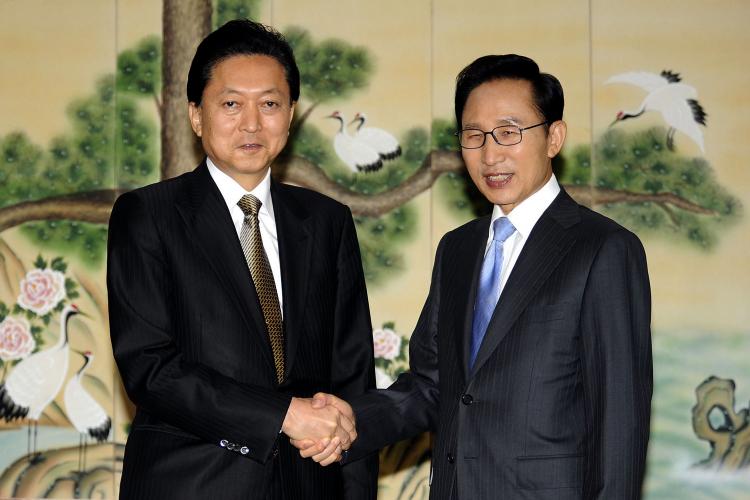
[260,270]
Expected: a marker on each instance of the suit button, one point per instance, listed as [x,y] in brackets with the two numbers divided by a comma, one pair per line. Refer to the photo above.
[451,458]
[223,443]
[244,450]
[467,399]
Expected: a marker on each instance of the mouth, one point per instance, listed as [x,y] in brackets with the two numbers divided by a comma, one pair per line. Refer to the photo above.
[498,180]
[250,147]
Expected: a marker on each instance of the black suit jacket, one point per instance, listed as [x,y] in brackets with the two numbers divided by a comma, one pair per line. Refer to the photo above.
[192,348]
[557,405]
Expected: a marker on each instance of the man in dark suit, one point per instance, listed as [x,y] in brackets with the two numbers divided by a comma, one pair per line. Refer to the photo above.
[233,298]
[531,360]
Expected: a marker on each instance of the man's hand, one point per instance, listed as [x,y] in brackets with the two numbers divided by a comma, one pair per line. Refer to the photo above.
[327,430]
[323,451]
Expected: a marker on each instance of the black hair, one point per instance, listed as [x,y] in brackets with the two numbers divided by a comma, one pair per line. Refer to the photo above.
[546,89]
[240,37]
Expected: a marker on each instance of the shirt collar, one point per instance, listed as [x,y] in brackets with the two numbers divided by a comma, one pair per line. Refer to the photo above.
[231,190]
[525,214]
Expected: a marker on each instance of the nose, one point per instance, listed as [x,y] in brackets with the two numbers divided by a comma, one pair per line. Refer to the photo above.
[492,152]
[250,119]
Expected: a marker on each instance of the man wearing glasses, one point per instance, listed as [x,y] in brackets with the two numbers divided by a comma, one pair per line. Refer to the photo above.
[531,360]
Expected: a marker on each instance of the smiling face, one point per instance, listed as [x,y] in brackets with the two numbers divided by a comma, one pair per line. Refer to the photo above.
[244,117]
[507,175]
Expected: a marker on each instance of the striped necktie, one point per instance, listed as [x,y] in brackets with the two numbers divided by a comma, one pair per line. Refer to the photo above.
[488,291]
[260,270]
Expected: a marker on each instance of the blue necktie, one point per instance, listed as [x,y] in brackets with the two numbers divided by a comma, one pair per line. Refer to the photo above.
[489,285]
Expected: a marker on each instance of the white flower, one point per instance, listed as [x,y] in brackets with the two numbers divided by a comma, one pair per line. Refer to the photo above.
[387,343]
[16,341]
[42,290]
[382,379]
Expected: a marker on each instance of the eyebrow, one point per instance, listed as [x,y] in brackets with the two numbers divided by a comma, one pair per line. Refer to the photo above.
[507,120]
[229,90]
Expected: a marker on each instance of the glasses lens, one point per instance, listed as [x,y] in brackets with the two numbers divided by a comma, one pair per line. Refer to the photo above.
[507,135]
[471,138]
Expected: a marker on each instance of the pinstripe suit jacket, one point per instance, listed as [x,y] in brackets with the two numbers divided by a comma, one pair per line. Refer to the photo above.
[192,348]
[557,405]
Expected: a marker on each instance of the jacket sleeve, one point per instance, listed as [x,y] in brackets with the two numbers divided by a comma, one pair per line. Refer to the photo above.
[617,368]
[410,405]
[158,379]
[353,368]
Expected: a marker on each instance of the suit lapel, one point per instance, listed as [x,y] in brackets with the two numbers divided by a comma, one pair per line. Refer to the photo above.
[295,237]
[548,243]
[206,217]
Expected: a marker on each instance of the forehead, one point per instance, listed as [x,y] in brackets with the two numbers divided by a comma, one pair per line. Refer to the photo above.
[249,72]
[501,99]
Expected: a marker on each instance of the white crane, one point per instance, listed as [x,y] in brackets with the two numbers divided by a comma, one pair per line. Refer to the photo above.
[356,154]
[86,415]
[675,101]
[36,380]
[378,139]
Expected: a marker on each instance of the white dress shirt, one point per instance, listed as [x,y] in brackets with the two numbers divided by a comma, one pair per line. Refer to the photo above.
[523,217]
[232,192]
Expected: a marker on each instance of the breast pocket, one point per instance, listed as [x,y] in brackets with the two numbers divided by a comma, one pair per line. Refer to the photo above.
[549,472]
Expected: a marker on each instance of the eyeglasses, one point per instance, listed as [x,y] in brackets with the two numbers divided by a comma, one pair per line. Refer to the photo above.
[504,135]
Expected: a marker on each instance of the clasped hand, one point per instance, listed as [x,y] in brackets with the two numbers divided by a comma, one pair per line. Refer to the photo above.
[321,427]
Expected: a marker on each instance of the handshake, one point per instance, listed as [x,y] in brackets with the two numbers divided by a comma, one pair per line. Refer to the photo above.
[322,428]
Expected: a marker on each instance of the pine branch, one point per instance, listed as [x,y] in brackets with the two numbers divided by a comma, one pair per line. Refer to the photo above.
[297,125]
[90,206]
[95,206]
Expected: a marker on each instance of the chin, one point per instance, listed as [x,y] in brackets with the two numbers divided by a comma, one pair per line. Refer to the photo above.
[501,199]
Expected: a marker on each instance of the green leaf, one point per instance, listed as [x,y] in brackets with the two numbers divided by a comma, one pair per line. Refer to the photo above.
[58,264]
[226,10]
[40,263]
[331,69]
[139,68]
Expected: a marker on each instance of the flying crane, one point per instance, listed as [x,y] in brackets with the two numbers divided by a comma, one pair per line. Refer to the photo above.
[676,101]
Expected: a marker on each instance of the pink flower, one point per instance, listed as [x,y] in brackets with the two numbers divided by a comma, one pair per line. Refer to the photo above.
[16,341]
[42,290]
[387,343]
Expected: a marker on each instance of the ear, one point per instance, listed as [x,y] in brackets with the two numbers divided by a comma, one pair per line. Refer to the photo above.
[291,113]
[194,111]
[556,138]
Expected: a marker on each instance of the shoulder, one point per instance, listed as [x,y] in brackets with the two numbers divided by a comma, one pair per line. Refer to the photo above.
[146,201]
[455,242]
[601,226]
[156,193]
[606,235]
[314,203]
[474,228]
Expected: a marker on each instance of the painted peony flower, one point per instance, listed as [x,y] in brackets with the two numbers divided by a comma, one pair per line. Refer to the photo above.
[16,341]
[42,290]
[387,343]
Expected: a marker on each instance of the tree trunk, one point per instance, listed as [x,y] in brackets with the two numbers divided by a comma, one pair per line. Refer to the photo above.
[185,23]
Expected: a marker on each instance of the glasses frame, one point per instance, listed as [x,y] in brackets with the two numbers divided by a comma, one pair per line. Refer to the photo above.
[492,133]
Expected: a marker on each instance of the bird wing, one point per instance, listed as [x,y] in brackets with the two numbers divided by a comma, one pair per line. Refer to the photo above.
[379,140]
[82,410]
[357,155]
[36,380]
[643,79]
[673,103]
